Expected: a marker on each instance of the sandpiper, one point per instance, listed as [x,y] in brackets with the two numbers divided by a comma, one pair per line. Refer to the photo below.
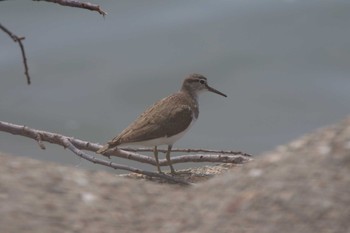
[166,121]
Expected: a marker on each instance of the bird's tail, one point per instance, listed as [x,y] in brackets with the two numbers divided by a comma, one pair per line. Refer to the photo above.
[104,149]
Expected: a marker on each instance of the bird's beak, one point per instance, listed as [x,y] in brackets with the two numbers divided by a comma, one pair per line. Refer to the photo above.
[215,91]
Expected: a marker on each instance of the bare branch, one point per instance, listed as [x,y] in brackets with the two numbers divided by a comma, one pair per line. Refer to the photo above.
[78,4]
[84,145]
[18,40]
[71,3]
[66,142]
[189,151]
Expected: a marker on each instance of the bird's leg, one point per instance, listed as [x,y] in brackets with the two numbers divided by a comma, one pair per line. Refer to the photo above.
[168,159]
[156,157]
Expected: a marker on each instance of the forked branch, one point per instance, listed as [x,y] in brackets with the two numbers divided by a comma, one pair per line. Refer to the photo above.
[66,142]
[70,3]
[76,145]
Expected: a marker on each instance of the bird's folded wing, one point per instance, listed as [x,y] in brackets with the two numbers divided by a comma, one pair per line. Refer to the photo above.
[165,122]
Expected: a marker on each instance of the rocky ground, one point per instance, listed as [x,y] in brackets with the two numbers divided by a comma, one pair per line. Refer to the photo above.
[300,187]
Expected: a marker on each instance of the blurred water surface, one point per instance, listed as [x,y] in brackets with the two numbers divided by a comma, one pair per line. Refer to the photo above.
[283,64]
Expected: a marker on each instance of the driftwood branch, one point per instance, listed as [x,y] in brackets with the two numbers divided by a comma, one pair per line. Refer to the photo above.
[41,136]
[192,150]
[76,145]
[78,4]
[18,39]
[66,142]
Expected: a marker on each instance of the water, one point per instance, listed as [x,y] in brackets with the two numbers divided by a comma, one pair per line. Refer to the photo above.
[283,64]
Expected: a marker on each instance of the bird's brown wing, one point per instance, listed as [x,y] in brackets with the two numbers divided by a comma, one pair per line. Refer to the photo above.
[156,123]
[163,119]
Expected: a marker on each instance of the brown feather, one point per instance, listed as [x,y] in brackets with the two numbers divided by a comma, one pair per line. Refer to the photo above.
[165,118]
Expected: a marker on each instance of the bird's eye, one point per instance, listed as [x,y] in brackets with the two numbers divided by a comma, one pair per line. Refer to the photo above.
[201,81]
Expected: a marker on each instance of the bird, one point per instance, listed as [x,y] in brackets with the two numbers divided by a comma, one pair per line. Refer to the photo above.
[166,121]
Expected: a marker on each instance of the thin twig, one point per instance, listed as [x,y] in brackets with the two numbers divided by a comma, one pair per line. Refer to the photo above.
[71,3]
[40,142]
[18,40]
[78,4]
